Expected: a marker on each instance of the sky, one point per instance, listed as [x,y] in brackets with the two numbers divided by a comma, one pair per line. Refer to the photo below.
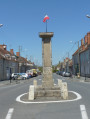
[23,20]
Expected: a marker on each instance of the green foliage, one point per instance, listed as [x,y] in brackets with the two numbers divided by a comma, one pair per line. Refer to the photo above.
[40,69]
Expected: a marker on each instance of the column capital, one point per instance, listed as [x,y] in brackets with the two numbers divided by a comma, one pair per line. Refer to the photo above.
[46,34]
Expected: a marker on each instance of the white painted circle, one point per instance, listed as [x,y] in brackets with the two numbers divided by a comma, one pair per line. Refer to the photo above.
[43,102]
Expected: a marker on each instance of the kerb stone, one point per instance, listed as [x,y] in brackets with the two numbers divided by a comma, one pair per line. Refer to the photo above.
[64,90]
[31,92]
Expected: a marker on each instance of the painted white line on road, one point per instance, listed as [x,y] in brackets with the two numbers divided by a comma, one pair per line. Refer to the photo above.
[18,99]
[9,114]
[83,112]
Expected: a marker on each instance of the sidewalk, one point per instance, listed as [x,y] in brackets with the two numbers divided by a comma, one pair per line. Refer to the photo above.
[81,79]
[7,82]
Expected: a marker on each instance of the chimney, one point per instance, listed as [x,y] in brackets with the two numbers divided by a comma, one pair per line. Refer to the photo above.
[4,47]
[82,43]
[85,39]
[83,47]
[88,37]
[18,54]
[11,51]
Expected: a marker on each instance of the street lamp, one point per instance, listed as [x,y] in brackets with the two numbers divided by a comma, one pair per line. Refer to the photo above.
[1,25]
[87,16]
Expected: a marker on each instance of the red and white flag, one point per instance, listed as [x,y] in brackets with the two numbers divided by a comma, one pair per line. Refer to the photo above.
[45,18]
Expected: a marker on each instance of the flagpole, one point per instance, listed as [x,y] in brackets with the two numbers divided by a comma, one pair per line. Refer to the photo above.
[46,25]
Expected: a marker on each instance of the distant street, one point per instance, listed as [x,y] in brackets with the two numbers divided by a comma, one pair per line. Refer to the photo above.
[10,109]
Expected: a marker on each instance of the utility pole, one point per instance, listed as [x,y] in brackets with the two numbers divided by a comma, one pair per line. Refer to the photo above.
[68,62]
[19,49]
[19,56]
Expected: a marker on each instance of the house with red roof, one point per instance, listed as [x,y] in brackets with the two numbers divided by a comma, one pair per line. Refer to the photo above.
[84,57]
[8,63]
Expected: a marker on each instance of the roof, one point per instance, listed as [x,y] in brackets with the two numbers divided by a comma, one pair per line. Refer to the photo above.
[77,51]
[4,51]
[7,55]
[84,50]
[84,44]
[22,60]
[4,54]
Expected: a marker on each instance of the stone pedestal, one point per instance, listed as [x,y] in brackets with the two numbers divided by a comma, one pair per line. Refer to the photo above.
[47,59]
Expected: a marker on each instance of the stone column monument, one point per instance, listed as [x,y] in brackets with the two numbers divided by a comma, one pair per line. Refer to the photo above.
[47,59]
[47,90]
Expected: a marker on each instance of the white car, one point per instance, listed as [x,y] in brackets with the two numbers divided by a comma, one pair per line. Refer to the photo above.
[14,75]
[24,75]
[63,74]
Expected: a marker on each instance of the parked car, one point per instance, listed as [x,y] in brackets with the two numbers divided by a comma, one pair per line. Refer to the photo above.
[67,74]
[14,76]
[23,75]
[58,72]
[63,73]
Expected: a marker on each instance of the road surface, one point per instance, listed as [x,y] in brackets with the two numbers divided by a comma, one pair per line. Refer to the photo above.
[10,109]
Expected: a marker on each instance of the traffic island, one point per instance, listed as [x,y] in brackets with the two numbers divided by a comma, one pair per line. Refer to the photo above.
[72,96]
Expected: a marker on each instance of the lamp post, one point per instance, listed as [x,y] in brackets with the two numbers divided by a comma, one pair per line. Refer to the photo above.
[1,25]
[88,16]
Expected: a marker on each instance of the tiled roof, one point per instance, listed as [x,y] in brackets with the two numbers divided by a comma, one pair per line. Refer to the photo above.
[81,50]
[77,51]
[4,51]
[84,50]
[22,60]
[4,54]
[8,56]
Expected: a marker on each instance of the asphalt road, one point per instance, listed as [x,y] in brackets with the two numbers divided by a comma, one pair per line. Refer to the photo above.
[10,109]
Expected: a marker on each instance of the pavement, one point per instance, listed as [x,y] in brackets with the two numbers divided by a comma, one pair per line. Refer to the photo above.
[7,82]
[81,79]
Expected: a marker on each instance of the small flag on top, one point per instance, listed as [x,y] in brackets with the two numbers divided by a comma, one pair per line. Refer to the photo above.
[45,18]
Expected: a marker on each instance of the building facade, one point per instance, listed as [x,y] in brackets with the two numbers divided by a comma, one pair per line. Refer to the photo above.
[8,63]
[83,59]
[85,62]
